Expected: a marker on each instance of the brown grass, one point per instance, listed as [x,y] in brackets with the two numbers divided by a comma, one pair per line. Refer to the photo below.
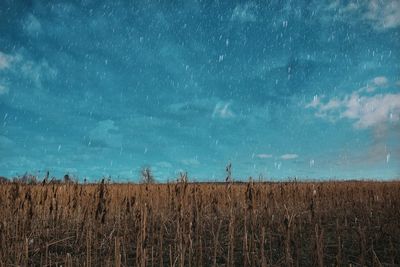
[183,224]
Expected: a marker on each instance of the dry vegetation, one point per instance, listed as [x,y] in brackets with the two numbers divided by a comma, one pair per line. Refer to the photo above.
[184,224]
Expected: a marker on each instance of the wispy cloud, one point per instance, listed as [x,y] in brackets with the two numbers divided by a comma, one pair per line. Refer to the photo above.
[192,107]
[223,110]
[22,67]
[315,102]
[164,164]
[190,162]
[105,133]
[380,14]
[332,104]
[32,25]
[5,61]
[264,156]
[37,71]
[289,156]
[244,13]
[4,89]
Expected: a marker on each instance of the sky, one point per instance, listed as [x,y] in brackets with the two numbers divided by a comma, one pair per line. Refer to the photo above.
[306,89]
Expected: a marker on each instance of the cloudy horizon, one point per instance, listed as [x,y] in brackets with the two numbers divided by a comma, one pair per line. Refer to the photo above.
[305,89]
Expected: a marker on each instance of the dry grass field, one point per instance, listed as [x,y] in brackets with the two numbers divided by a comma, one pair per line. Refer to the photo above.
[196,224]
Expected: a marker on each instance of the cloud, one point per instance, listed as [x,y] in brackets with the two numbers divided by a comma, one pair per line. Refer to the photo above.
[105,134]
[244,13]
[5,61]
[32,25]
[222,110]
[383,14]
[37,72]
[375,83]
[315,102]
[3,89]
[163,164]
[332,104]
[192,107]
[381,81]
[366,110]
[371,111]
[23,68]
[379,14]
[289,156]
[190,162]
[264,156]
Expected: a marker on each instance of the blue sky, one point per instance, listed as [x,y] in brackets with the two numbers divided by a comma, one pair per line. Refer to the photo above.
[279,88]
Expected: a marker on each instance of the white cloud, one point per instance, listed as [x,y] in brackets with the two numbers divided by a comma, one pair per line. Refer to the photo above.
[3,89]
[371,111]
[264,156]
[222,110]
[384,14]
[381,81]
[324,110]
[289,156]
[5,61]
[244,13]
[366,110]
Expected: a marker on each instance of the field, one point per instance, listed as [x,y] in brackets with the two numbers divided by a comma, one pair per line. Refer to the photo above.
[200,224]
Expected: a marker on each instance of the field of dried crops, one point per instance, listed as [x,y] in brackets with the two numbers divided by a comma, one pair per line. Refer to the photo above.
[188,224]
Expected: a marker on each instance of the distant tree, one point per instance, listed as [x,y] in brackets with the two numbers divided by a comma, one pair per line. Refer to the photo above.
[146,176]
[183,177]
[3,179]
[67,179]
